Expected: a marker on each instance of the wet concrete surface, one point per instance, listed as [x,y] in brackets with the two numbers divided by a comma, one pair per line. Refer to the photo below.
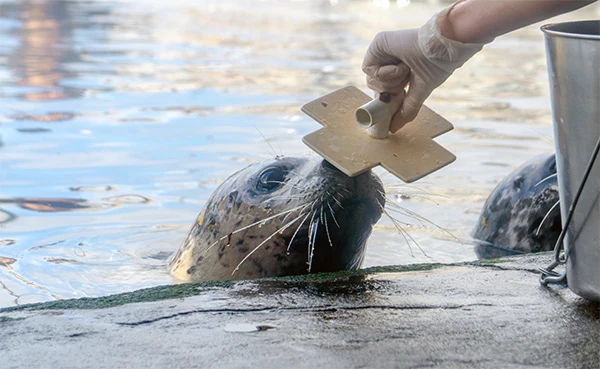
[473,315]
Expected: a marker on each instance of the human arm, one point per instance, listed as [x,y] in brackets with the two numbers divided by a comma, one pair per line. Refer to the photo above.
[480,21]
[424,58]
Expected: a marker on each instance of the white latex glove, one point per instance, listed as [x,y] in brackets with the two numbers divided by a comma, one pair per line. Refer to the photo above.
[421,58]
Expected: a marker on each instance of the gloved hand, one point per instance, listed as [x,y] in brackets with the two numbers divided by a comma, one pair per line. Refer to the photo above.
[422,58]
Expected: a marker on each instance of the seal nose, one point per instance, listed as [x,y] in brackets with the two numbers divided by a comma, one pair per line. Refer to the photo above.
[327,165]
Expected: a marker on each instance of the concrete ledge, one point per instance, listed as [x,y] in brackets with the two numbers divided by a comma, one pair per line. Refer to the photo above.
[490,314]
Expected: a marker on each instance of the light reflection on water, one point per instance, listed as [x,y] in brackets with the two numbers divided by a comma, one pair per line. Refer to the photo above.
[118,119]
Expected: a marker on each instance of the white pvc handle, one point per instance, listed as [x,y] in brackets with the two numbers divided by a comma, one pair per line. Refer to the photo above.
[376,116]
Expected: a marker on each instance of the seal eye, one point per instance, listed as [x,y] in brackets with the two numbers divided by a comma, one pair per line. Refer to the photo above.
[270,179]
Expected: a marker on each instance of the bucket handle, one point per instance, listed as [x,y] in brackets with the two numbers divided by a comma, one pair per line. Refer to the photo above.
[548,275]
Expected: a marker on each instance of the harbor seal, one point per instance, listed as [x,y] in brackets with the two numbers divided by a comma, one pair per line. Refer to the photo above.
[285,216]
[521,215]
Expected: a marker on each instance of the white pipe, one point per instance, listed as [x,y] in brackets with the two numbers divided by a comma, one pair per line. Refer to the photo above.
[376,116]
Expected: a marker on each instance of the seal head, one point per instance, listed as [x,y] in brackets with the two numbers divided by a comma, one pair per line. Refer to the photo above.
[521,215]
[285,216]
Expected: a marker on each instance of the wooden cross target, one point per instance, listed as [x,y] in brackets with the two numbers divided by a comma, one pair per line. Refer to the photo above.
[409,154]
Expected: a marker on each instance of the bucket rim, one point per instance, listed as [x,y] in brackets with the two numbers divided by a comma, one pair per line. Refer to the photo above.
[549,30]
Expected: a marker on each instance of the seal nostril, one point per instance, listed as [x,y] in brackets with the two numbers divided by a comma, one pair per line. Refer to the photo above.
[328,165]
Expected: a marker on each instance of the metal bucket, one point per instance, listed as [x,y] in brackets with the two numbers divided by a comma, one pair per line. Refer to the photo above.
[573,56]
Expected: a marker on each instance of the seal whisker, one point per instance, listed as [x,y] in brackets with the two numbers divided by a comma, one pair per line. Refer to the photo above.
[303,206]
[545,179]
[391,188]
[420,217]
[407,237]
[287,196]
[312,231]
[277,156]
[420,196]
[290,197]
[288,213]
[327,228]
[404,185]
[321,215]
[403,211]
[332,214]
[393,206]
[388,199]
[301,210]
[427,198]
[264,241]
[337,201]
[398,220]
[537,231]
[425,195]
[296,232]
[286,216]
[285,183]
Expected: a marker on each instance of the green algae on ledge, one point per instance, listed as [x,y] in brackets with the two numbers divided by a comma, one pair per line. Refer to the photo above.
[346,279]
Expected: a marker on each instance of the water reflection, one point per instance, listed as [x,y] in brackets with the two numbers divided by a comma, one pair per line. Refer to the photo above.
[47,205]
[45,45]
[6,261]
[54,205]
[49,117]
[5,217]
[6,242]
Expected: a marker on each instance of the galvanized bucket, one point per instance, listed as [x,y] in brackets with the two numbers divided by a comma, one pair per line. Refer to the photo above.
[573,56]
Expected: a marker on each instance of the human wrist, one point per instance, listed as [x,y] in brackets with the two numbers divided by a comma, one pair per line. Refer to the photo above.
[446,27]
[458,24]
[444,52]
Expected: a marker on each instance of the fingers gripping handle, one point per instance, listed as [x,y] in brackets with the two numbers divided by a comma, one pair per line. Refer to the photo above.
[376,115]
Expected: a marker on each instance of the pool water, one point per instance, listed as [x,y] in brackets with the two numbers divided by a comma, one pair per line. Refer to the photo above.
[119,118]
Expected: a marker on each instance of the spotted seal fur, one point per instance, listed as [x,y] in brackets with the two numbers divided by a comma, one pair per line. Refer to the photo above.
[521,215]
[285,216]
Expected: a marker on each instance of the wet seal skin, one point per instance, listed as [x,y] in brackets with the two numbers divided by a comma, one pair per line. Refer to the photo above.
[522,214]
[286,216]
